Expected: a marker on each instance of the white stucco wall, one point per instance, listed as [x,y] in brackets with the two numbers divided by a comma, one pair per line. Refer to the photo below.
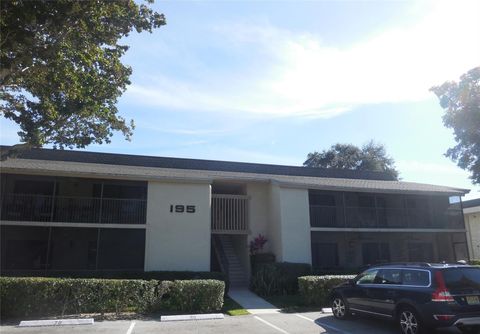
[295,223]
[258,211]
[274,224]
[177,241]
[472,224]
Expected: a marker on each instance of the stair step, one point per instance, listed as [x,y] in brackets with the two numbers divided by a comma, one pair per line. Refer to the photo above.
[236,273]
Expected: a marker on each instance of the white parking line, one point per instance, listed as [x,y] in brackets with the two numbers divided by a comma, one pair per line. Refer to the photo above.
[130,329]
[304,317]
[271,325]
[323,325]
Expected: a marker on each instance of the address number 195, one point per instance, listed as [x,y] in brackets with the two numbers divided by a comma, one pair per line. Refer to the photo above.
[182,208]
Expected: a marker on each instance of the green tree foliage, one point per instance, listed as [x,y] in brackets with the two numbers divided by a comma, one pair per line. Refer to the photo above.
[61,71]
[461,101]
[371,157]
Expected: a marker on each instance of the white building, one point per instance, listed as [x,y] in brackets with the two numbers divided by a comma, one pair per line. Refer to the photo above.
[85,211]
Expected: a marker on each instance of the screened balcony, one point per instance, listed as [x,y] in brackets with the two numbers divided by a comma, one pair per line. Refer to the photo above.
[363,210]
[72,200]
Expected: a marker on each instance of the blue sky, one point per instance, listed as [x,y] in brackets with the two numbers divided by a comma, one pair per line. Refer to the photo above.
[270,81]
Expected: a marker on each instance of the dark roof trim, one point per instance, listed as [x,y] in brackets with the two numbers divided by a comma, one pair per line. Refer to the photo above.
[471,203]
[195,164]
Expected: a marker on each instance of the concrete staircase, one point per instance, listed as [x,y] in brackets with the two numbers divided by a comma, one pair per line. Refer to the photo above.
[236,273]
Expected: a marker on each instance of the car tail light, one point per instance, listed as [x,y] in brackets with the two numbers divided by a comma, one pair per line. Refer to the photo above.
[441,294]
[443,317]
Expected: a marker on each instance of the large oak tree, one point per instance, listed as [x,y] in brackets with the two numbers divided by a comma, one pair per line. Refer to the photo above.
[461,101]
[61,71]
[370,157]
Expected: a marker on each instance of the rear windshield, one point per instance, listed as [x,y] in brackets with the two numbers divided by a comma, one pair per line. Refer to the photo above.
[462,278]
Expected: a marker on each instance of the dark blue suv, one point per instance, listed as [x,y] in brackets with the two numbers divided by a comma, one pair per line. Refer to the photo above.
[419,297]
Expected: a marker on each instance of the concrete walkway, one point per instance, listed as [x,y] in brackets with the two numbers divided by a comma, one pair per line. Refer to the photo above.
[251,302]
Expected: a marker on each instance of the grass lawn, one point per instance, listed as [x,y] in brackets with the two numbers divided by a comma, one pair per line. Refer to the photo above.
[291,303]
[231,307]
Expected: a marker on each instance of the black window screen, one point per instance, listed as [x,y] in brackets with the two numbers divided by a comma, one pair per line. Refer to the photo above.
[29,248]
[24,247]
[366,201]
[124,191]
[322,199]
[374,252]
[33,187]
[73,248]
[420,252]
[121,249]
[324,255]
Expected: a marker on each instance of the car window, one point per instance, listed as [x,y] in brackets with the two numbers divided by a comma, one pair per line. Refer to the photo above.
[367,277]
[389,276]
[415,277]
[462,278]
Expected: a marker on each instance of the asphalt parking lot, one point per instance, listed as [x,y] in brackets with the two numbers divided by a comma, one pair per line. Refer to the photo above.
[275,323]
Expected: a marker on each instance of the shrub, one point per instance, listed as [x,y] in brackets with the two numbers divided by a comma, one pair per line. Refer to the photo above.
[27,297]
[271,279]
[316,289]
[474,262]
[145,275]
[194,295]
[336,271]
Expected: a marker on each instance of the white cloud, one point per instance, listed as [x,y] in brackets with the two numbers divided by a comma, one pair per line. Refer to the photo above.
[413,166]
[304,77]
[446,173]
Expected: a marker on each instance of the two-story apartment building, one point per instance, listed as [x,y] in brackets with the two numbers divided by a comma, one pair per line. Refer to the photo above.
[72,210]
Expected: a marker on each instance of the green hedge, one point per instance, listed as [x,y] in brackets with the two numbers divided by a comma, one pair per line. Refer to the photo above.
[145,275]
[272,279]
[316,289]
[28,297]
[205,295]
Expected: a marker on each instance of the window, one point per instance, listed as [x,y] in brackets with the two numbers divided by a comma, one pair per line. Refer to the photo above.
[389,276]
[367,277]
[121,249]
[462,278]
[28,248]
[24,247]
[322,199]
[420,252]
[416,202]
[124,191]
[366,201]
[374,252]
[73,248]
[326,209]
[324,255]
[415,277]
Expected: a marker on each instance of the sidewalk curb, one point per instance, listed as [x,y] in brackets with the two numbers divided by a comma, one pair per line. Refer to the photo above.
[56,322]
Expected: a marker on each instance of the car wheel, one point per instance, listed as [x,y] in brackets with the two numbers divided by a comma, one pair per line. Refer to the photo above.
[339,308]
[409,321]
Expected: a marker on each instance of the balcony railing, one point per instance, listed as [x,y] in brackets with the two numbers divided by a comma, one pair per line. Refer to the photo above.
[26,207]
[229,214]
[364,217]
